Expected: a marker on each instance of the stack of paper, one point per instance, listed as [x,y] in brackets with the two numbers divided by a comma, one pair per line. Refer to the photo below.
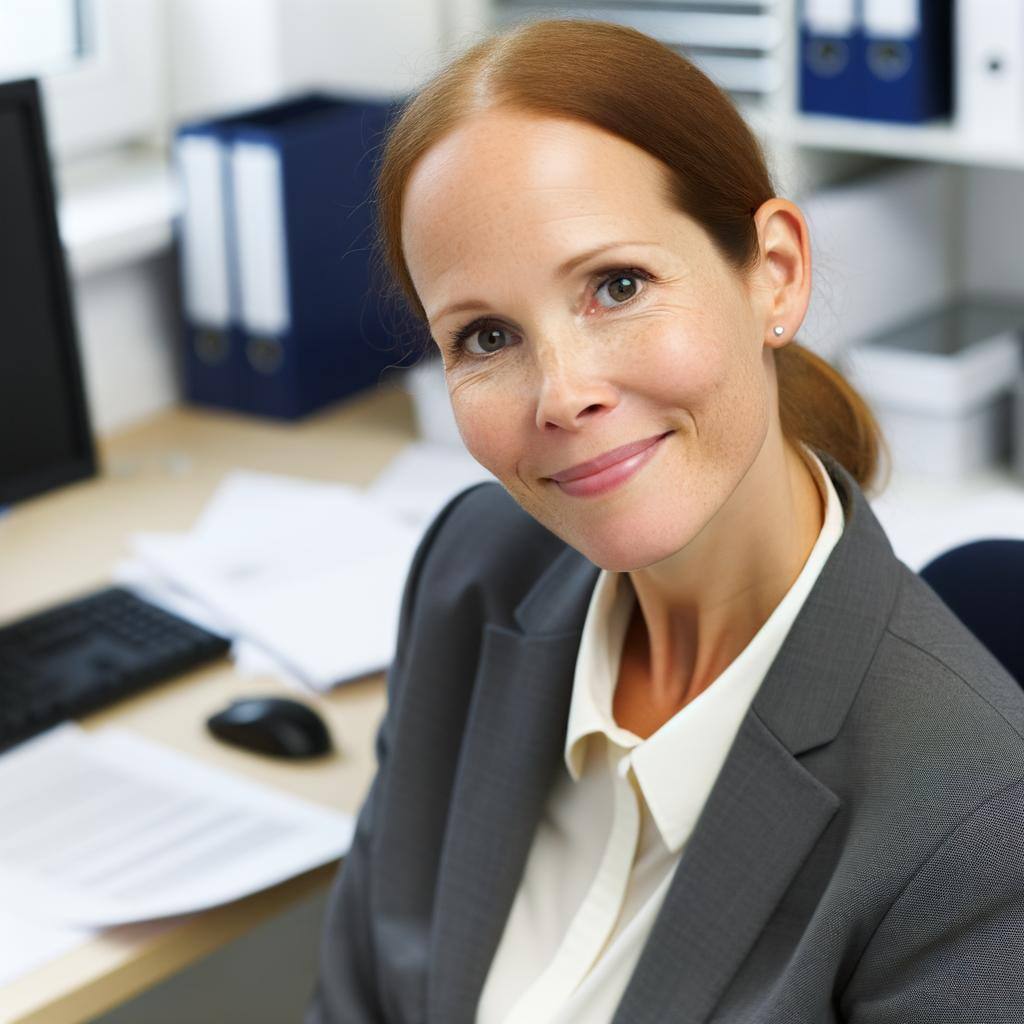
[306,577]
[26,944]
[421,479]
[108,828]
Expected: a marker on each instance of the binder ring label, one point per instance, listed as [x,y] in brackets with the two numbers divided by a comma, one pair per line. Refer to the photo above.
[212,347]
[828,57]
[265,355]
[889,59]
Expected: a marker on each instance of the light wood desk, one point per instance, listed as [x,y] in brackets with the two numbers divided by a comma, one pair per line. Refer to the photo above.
[158,476]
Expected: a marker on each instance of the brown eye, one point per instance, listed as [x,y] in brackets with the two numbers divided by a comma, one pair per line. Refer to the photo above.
[620,288]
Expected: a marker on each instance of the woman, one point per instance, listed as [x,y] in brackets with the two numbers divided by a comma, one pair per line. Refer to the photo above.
[672,734]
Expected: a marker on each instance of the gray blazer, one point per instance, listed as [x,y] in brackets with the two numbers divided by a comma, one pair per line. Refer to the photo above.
[860,857]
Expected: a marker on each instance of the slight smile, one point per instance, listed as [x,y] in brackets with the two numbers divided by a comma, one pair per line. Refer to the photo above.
[609,470]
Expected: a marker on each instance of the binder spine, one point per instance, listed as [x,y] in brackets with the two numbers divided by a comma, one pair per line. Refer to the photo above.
[209,342]
[268,367]
[830,72]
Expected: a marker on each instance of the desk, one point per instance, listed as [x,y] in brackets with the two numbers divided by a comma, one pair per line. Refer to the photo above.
[158,476]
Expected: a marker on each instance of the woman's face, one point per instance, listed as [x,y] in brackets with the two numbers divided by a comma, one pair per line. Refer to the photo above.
[593,315]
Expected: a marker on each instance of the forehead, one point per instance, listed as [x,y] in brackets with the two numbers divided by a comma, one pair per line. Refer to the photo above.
[527,182]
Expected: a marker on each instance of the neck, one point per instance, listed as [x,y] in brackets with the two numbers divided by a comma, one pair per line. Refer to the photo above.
[698,609]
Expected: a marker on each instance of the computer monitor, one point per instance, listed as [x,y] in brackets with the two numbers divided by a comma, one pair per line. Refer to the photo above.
[45,438]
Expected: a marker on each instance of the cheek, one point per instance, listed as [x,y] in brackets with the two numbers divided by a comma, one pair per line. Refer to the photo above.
[704,363]
[733,415]
[484,415]
[677,360]
[490,422]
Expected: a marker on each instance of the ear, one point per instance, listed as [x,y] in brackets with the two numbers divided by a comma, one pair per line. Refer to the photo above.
[783,276]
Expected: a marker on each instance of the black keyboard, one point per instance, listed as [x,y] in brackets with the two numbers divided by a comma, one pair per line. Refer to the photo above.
[88,652]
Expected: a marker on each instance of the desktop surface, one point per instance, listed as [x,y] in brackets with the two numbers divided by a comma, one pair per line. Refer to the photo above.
[158,475]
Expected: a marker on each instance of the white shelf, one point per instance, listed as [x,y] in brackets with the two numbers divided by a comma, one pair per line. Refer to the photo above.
[116,211]
[938,141]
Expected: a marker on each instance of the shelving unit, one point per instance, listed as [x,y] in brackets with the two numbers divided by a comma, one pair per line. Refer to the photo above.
[768,36]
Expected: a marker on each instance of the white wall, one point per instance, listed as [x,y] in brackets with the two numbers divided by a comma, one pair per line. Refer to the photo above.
[127,323]
[993,242]
[884,247]
[227,53]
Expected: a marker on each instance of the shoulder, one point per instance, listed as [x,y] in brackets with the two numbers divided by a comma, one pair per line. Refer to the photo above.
[483,550]
[933,642]
[944,706]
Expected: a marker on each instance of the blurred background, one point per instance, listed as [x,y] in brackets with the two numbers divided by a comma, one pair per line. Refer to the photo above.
[896,125]
[915,197]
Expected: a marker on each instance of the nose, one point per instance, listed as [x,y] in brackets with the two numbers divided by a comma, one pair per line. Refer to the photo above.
[573,387]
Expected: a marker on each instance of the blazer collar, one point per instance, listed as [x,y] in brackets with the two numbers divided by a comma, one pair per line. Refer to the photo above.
[763,815]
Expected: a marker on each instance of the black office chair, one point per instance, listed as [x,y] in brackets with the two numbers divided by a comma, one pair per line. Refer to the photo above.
[983,582]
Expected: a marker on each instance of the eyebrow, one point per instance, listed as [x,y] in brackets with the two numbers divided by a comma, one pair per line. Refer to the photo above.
[563,271]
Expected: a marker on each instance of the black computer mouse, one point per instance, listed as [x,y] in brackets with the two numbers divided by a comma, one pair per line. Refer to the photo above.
[272,725]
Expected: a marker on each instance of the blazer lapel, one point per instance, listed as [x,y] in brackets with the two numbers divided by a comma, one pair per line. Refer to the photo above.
[762,818]
[514,740]
[766,811]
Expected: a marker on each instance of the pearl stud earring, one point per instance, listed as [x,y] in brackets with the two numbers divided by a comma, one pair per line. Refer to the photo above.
[779,330]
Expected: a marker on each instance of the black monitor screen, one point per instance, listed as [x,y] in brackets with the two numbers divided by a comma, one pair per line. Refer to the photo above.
[44,434]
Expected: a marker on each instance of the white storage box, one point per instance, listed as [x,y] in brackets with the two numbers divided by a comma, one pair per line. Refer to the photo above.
[942,384]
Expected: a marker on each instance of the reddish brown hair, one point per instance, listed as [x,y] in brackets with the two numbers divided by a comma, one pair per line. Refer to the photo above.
[641,90]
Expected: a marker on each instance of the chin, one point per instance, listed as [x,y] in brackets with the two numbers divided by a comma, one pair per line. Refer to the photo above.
[627,547]
[622,540]
[627,557]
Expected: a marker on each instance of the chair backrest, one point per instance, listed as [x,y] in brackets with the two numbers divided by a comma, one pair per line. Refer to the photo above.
[983,582]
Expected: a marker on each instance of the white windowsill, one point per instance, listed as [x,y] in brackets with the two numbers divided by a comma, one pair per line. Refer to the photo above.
[116,210]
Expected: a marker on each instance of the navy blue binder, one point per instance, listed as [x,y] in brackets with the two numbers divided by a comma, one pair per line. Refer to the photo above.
[907,57]
[310,314]
[308,323]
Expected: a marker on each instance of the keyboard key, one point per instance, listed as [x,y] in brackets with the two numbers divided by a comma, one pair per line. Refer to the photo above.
[69,660]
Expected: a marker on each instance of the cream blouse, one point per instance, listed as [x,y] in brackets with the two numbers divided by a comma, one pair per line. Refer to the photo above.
[617,819]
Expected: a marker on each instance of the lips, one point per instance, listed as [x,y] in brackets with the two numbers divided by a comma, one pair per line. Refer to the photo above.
[593,466]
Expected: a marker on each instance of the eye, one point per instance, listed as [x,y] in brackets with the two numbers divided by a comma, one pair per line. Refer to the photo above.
[480,338]
[622,286]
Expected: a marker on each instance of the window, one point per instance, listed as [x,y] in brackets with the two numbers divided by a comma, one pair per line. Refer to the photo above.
[100,64]
[39,36]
